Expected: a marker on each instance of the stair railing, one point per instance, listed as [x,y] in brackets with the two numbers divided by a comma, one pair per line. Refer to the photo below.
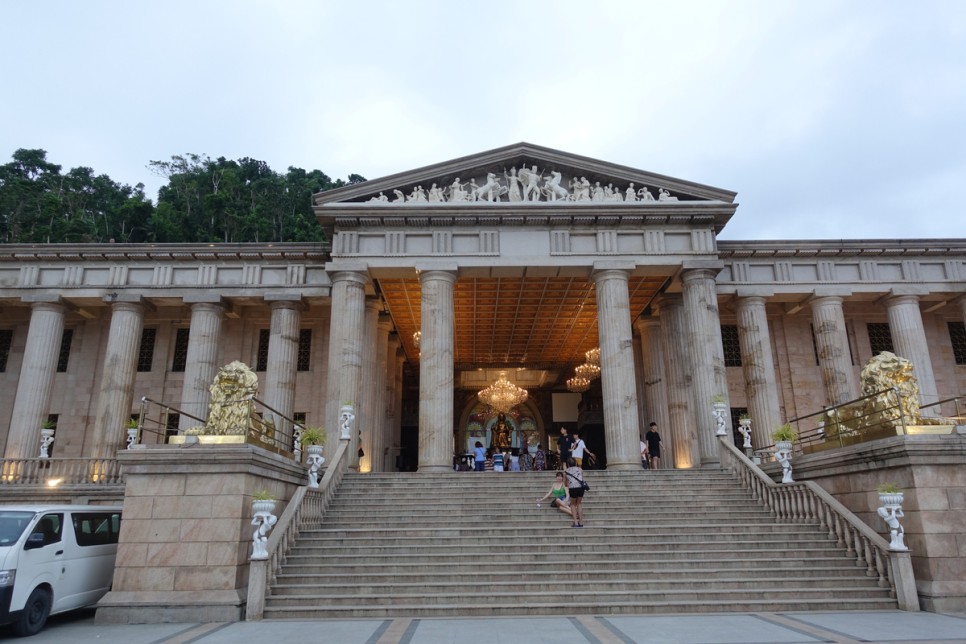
[808,502]
[307,506]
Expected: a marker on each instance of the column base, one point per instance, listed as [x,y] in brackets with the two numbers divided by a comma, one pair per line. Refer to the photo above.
[434,468]
[159,607]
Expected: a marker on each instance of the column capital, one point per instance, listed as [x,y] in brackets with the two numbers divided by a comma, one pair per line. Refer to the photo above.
[352,276]
[437,275]
[204,298]
[385,323]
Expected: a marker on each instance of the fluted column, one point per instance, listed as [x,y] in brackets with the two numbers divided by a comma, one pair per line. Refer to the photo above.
[436,371]
[117,380]
[36,379]
[677,369]
[758,364]
[380,381]
[834,358]
[655,382]
[366,414]
[622,426]
[201,364]
[282,364]
[909,338]
[707,355]
[346,334]
[394,441]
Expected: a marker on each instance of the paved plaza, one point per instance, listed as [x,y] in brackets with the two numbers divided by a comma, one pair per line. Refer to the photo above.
[747,628]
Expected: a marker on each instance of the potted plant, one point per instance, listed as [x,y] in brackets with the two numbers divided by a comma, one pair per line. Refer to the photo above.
[890,494]
[784,434]
[48,424]
[312,437]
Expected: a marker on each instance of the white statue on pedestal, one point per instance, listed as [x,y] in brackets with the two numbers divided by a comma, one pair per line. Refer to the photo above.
[783,454]
[347,418]
[891,513]
[314,459]
[718,411]
[132,437]
[263,520]
[46,440]
[744,427]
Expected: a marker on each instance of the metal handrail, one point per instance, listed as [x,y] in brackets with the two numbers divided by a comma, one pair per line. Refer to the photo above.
[306,507]
[808,502]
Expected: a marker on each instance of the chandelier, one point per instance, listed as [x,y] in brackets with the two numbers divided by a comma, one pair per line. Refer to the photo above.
[593,356]
[588,371]
[416,337]
[502,395]
[578,384]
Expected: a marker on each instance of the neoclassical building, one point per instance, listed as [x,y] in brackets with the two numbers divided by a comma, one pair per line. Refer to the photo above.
[519,259]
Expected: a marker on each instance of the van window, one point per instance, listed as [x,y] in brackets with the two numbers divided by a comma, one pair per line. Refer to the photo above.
[96,528]
[12,525]
[51,526]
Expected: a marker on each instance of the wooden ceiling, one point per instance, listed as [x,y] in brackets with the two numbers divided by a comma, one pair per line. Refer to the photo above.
[535,323]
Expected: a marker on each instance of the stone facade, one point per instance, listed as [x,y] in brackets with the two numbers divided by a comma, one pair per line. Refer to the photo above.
[658,286]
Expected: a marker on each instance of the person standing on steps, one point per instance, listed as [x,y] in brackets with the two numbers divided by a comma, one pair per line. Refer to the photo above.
[479,457]
[644,455]
[560,494]
[575,485]
[578,450]
[564,444]
[653,445]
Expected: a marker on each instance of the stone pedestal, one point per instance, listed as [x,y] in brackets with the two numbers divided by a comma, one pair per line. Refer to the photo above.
[186,532]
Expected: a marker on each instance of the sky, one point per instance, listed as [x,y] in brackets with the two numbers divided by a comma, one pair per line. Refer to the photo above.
[830,119]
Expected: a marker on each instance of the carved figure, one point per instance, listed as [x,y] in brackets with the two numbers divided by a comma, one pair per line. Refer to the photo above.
[531,183]
[664,195]
[719,418]
[400,197]
[553,189]
[456,192]
[645,194]
[263,521]
[382,198]
[514,191]
[417,194]
[744,427]
[501,434]
[314,459]
[491,190]
[784,456]
[436,194]
[582,192]
[231,407]
[347,417]
[630,193]
[598,193]
[46,440]
[891,515]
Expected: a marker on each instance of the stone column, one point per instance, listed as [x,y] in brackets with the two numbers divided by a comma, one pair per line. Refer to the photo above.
[834,357]
[707,355]
[380,380]
[346,334]
[677,363]
[278,390]
[394,441]
[655,384]
[758,364]
[909,336]
[36,378]
[117,380]
[367,414]
[436,370]
[201,365]
[622,427]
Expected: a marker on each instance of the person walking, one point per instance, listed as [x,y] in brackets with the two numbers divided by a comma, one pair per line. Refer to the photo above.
[643,454]
[564,444]
[560,494]
[579,449]
[575,486]
[479,457]
[653,439]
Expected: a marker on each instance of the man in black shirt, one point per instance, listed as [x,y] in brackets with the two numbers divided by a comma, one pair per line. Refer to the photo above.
[653,445]
[563,447]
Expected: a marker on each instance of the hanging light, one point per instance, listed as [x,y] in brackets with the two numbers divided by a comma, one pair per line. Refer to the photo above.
[578,384]
[588,371]
[502,395]
[416,337]
[593,356]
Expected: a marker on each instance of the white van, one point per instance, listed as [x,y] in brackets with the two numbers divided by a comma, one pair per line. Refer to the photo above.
[54,558]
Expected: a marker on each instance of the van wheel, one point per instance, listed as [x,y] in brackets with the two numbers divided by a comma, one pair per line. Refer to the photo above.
[35,613]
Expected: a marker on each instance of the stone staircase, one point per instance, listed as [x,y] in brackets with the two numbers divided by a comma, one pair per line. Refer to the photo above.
[475,544]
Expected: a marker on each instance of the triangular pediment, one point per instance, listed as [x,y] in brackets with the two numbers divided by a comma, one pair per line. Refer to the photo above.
[522,174]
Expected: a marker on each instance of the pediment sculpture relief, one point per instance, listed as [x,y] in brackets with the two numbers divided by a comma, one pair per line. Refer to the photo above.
[526,184]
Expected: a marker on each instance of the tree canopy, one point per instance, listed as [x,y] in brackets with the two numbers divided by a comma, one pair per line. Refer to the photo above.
[204,200]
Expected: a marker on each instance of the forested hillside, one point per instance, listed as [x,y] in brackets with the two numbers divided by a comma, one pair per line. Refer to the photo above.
[204,200]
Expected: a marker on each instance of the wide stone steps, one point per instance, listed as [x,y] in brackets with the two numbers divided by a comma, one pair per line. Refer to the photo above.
[471,544]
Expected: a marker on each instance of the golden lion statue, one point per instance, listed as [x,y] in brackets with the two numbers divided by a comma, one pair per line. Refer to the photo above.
[231,407]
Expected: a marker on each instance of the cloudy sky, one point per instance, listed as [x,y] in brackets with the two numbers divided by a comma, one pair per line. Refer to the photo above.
[829,119]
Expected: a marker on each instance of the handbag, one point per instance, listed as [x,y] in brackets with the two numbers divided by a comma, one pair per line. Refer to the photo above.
[583,484]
